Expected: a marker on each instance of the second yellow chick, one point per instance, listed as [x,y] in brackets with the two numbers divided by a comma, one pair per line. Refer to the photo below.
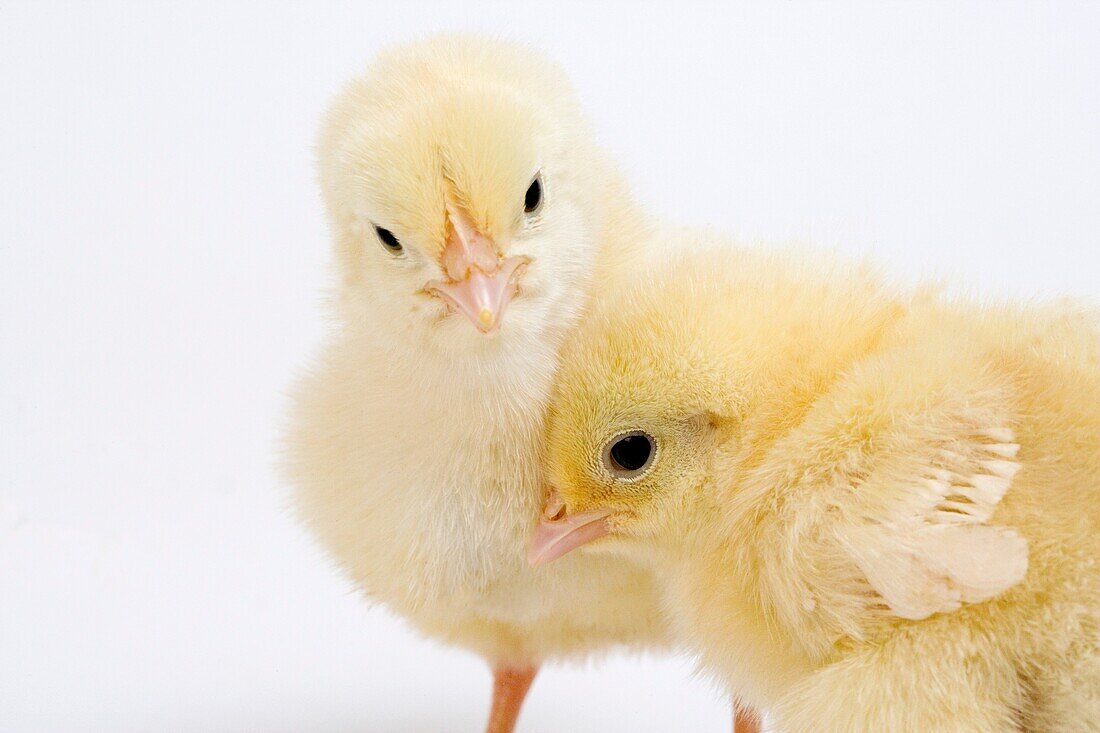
[870,512]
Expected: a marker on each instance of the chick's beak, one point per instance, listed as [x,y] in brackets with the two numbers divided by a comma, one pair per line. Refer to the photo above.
[479,283]
[559,532]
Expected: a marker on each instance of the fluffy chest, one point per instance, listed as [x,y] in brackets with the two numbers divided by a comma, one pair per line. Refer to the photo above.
[451,477]
[715,616]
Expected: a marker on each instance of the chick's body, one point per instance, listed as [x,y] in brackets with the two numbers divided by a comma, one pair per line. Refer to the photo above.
[414,439]
[869,512]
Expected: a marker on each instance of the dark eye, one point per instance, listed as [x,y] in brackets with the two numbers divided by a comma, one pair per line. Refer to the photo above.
[388,240]
[630,454]
[532,200]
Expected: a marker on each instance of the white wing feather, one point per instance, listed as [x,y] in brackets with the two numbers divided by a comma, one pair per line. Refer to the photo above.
[935,550]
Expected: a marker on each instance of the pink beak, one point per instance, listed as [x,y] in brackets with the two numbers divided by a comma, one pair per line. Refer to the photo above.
[480,283]
[558,533]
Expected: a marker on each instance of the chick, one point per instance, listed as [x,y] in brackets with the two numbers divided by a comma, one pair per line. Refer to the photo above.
[869,511]
[472,215]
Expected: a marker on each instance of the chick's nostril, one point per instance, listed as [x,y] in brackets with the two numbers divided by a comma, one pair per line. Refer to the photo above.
[554,508]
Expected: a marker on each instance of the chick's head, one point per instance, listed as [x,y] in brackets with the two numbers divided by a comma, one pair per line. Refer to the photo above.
[676,383]
[458,177]
[639,411]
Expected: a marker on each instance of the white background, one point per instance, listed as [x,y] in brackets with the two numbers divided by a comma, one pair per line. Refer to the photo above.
[162,252]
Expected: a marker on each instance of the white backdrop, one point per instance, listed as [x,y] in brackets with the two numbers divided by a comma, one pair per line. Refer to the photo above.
[162,252]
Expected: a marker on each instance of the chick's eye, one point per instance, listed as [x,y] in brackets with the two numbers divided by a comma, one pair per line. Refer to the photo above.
[630,454]
[385,236]
[532,200]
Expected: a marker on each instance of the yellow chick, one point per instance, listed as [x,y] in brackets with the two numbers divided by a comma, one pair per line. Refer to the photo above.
[868,512]
[472,215]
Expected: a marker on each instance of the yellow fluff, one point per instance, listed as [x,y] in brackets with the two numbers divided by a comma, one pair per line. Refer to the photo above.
[869,511]
[413,443]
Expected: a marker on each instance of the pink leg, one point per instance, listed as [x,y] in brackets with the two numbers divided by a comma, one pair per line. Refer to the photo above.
[510,685]
[745,720]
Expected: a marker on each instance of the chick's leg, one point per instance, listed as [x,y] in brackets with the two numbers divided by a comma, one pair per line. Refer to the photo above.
[745,720]
[510,685]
